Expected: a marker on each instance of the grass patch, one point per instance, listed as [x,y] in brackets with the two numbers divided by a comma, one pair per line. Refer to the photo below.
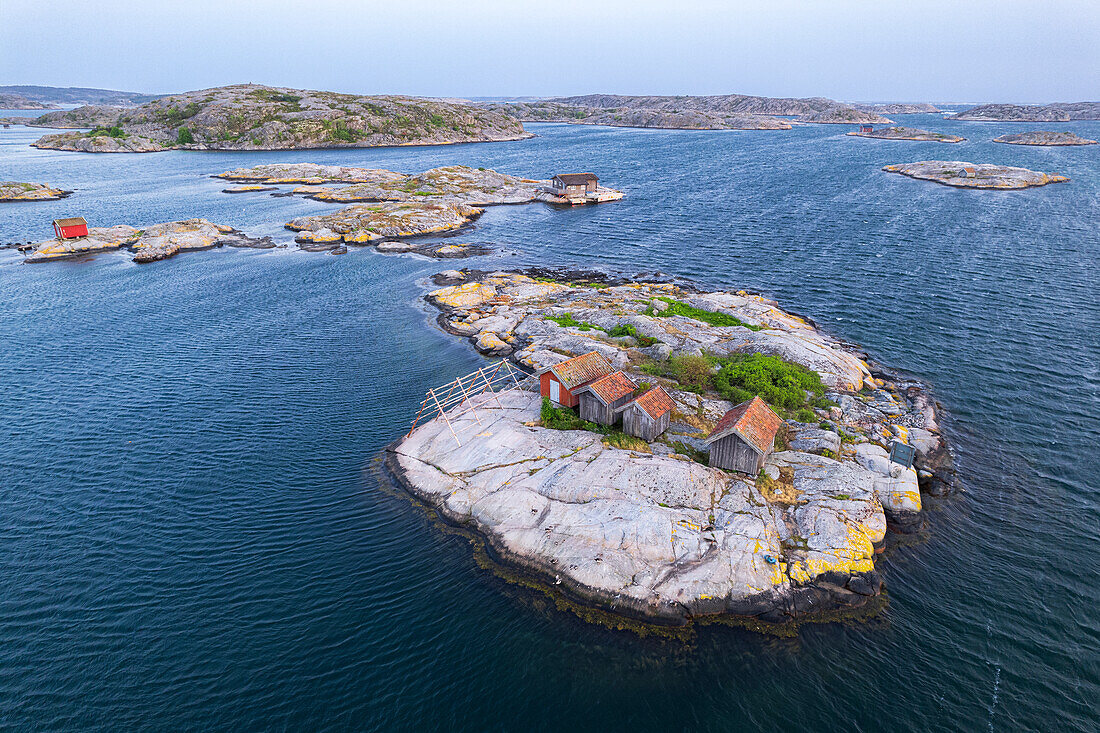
[567,320]
[618,439]
[626,329]
[563,418]
[714,318]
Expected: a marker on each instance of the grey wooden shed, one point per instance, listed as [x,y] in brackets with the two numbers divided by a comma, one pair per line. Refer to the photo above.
[744,437]
[601,399]
[648,415]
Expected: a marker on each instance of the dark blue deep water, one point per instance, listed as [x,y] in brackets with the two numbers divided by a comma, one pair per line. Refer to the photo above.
[193,535]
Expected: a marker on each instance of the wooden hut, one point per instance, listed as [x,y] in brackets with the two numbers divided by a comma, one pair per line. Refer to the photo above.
[560,381]
[70,228]
[648,415]
[574,185]
[744,437]
[866,128]
[602,399]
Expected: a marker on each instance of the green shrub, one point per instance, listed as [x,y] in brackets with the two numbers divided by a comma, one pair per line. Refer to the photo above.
[680,308]
[563,418]
[626,329]
[805,415]
[777,382]
[114,131]
[184,137]
[567,320]
[437,120]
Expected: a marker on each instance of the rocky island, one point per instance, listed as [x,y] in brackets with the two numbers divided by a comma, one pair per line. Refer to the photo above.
[907,133]
[899,108]
[974,175]
[18,101]
[646,528]
[1058,112]
[253,117]
[1043,137]
[158,242]
[718,112]
[20,191]
[387,206]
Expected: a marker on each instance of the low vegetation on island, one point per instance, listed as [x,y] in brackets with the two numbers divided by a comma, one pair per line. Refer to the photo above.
[253,117]
[21,191]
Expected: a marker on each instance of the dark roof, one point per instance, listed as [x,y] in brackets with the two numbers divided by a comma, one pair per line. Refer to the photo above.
[655,402]
[575,179]
[71,222]
[582,369]
[611,387]
[753,421]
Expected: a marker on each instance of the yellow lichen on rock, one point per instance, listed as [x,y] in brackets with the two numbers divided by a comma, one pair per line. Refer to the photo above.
[466,295]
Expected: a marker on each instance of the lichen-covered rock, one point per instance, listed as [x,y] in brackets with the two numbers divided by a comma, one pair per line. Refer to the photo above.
[648,535]
[974,175]
[19,191]
[386,219]
[99,239]
[162,241]
[157,242]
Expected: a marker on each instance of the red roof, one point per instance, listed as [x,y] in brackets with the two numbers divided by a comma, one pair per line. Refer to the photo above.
[611,387]
[655,402]
[579,370]
[753,421]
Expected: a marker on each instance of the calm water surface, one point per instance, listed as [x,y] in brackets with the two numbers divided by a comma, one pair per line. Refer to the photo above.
[192,534]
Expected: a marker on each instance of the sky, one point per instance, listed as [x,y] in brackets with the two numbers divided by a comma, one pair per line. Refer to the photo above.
[936,51]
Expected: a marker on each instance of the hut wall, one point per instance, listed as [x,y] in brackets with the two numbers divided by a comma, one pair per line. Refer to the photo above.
[734,453]
[638,423]
[594,410]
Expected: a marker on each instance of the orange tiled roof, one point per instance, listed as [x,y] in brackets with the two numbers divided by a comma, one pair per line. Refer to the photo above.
[589,367]
[611,387]
[655,402]
[753,421]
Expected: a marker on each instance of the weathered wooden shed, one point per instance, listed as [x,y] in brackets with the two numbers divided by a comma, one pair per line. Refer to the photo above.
[572,185]
[70,228]
[601,400]
[744,437]
[560,381]
[648,415]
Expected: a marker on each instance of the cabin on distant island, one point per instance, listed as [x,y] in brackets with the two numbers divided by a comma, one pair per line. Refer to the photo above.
[602,400]
[648,415]
[574,185]
[744,437]
[561,382]
[70,228]
[866,128]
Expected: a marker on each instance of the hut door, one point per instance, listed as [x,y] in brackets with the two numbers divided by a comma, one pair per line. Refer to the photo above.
[555,392]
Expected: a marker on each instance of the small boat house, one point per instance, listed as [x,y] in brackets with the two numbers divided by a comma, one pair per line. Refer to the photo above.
[602,400]
[866,128]
[574,185]
[70,228]
[648,415]
[744,437]
[562,381]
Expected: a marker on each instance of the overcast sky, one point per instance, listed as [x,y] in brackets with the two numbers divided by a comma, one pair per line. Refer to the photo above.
[885,50]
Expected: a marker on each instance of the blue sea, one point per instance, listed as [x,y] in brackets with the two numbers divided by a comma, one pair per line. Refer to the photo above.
[194,536]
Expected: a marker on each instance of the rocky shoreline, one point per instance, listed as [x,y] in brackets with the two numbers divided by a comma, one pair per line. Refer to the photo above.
[961,174]
[19,191]
[157,242]
[647,530]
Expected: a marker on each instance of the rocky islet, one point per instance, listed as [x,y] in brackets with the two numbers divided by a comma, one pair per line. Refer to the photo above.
[23,191]
[646,531]
[961,174]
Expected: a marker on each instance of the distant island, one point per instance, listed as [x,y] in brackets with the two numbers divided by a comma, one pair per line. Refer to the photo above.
[20,191]
[974,175]
[907,133]
[1059,112]
[16,101]
[53,96]
[898,108]
[720,112]
[253,117]
[1043,137]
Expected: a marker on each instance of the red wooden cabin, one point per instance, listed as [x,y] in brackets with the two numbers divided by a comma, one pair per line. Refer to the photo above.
[70,228]
[561,381]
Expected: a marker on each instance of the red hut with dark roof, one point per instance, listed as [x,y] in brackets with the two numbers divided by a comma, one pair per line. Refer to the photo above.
[70,228]
[561,381]
[744,437]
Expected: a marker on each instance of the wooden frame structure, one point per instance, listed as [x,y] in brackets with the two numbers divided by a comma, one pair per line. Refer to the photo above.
[494,379]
